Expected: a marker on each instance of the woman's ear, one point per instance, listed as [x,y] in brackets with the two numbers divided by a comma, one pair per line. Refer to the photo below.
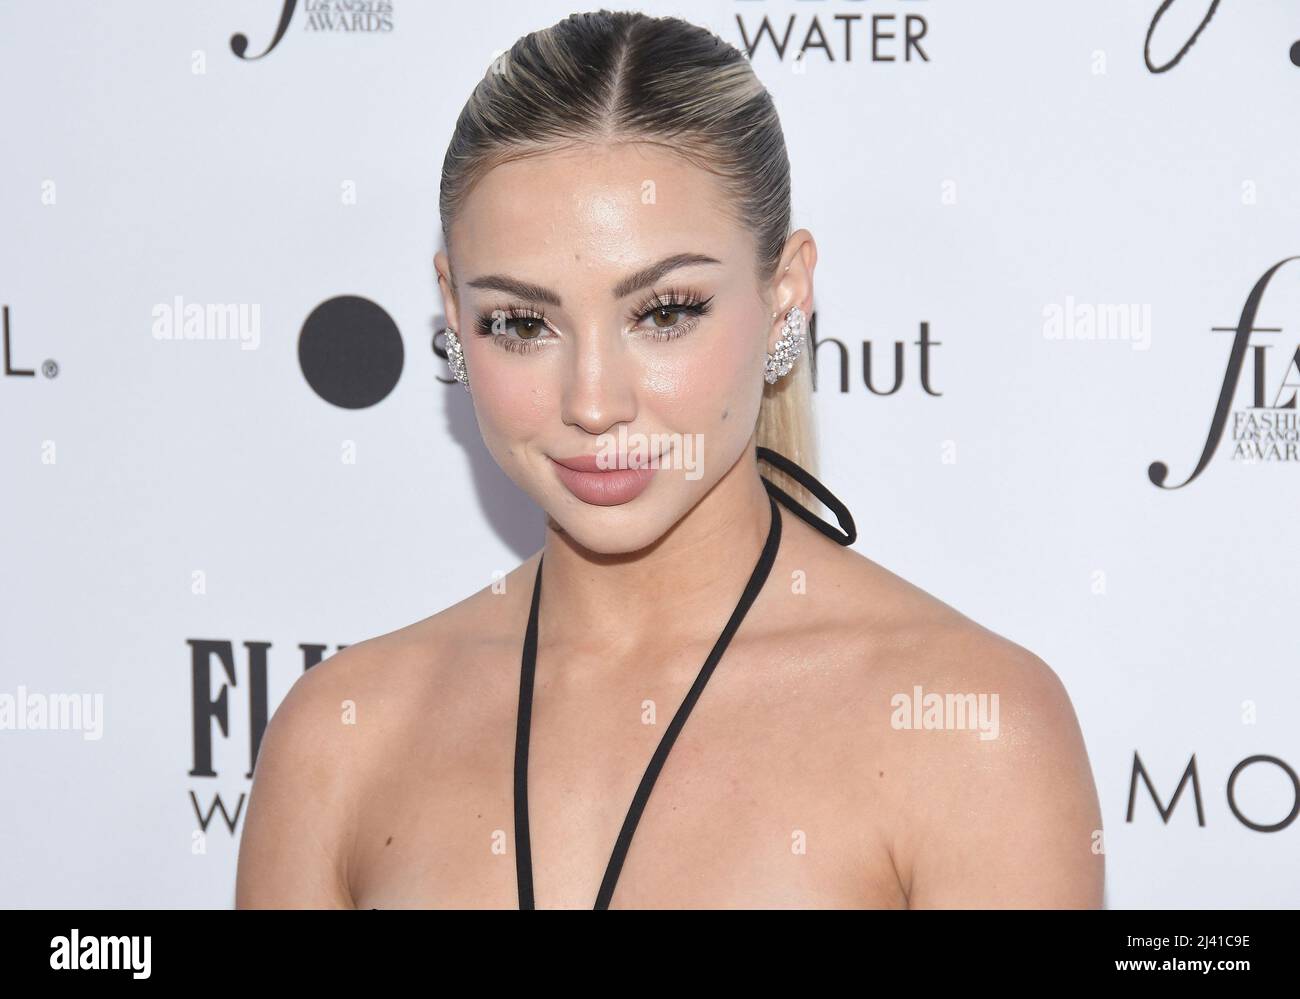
[447,286]
[793,282]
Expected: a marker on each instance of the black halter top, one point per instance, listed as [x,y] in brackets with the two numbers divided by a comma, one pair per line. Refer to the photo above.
[523,846]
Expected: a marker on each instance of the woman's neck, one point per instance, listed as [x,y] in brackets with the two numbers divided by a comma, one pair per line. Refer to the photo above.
[682,587]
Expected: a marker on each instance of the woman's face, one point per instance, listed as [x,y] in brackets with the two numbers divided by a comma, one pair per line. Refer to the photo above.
[607,307]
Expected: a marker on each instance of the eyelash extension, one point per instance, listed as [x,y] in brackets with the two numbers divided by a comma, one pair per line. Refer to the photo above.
[673,300]
[484,326]
[670,300]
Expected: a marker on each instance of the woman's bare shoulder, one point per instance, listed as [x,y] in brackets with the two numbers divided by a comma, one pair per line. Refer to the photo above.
[409,655]
[988,767]
[905,631]
[340,723]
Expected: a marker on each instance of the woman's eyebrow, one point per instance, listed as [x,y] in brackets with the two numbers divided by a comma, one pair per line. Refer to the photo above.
[633,282]
[649,275]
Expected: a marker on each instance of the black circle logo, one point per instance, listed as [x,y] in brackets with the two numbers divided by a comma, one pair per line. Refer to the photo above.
[350,352]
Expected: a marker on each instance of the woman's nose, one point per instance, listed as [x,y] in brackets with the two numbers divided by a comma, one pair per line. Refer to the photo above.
[599,389]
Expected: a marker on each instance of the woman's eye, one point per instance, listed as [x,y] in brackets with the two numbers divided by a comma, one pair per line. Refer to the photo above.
[513,332]
[673,317]
[667,322]
[527,329]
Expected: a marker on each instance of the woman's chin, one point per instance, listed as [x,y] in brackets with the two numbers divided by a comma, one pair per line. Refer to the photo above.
[608,530]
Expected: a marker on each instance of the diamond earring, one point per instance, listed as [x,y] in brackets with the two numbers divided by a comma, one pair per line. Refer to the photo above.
[456,357]
[788,347]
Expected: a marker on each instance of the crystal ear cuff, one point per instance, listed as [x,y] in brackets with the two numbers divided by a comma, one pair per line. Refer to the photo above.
[788,347]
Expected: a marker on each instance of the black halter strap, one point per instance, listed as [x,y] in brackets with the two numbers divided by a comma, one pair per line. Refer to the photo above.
[523,844]
[848,532]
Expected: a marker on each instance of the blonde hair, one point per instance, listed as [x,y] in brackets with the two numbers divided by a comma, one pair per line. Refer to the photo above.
[608,76]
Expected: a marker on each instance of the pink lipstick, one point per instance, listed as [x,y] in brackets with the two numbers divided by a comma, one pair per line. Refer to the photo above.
[583,476]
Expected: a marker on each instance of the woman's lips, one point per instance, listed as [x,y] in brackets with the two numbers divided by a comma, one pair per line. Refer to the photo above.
[602,488]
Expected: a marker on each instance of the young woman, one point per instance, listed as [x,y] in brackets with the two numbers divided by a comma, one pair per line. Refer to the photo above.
[695,694]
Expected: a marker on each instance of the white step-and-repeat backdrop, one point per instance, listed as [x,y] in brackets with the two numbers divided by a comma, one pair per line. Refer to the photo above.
[1058,308]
